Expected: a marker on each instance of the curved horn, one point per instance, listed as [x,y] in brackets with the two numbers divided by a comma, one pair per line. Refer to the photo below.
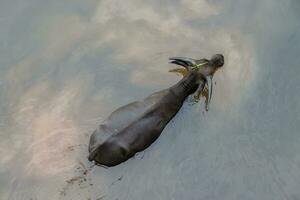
[183,61]
[177,62]
[191,61]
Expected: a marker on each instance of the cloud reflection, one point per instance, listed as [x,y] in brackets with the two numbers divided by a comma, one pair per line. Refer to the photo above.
[85,63]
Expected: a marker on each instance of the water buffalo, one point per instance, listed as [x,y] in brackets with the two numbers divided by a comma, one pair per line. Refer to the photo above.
[134,127]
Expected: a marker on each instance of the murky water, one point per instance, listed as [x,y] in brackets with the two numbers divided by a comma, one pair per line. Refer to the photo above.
[65,65]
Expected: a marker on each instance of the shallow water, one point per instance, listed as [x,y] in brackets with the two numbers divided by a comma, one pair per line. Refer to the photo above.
[65,65]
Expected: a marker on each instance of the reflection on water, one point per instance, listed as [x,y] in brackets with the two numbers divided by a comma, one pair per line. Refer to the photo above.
[65,65]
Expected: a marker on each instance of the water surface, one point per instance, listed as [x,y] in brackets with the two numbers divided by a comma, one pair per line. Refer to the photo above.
[65,65]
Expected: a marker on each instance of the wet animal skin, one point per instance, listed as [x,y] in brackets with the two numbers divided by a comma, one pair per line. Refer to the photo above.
[134,127]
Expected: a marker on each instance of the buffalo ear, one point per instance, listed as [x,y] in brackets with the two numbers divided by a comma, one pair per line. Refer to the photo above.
[210,88]
[180,71]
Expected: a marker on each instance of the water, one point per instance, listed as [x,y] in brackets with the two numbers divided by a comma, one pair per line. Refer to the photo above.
[65,65]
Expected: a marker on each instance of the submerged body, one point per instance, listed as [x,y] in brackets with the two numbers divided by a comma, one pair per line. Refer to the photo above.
[134,127]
